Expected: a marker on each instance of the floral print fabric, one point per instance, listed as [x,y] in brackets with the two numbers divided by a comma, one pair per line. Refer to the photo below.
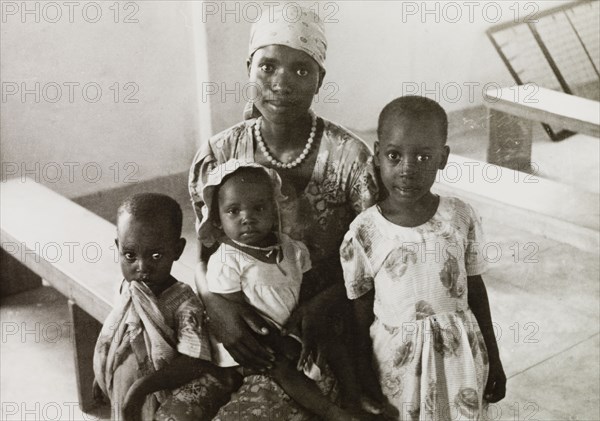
[428,350]
[341,186]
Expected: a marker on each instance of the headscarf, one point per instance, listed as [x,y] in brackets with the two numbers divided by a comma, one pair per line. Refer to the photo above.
[290,25]
[293,26]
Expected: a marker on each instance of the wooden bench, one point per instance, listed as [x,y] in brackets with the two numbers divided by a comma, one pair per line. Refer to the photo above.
[45,235]
[512,112]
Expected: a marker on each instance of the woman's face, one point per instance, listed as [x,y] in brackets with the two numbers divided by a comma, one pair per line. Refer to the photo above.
[286,81]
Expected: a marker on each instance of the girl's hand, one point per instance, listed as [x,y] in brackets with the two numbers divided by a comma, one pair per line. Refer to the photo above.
[314,322]
[495,390]
[308,323]
[234,325]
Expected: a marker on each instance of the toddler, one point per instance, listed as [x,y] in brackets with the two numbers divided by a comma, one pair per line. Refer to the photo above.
[257,264]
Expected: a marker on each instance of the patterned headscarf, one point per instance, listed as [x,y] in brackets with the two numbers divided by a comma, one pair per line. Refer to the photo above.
[293,26]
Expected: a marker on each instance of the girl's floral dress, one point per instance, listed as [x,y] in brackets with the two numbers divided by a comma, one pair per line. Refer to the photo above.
[428,350]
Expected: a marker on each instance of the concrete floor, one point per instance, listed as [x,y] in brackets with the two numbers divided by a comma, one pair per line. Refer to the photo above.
[544,297]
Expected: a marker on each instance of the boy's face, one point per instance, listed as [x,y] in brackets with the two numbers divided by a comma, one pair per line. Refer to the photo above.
[246,211]
[409,153]
[147,250]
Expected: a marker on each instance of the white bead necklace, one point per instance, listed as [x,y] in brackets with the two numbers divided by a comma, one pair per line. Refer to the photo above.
[297,161]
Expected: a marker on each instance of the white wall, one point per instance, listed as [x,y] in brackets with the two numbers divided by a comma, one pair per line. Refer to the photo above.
[185,58]
[378,50]
[153,137]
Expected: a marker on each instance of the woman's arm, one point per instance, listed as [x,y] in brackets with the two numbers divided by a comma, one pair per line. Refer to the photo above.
[478,301]
[234,324]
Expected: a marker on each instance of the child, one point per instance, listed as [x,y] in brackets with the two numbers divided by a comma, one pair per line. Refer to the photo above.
[412,268]
[152,342]
[258,264]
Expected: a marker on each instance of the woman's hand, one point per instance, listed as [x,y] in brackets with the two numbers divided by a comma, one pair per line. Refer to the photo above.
[495,390]
[235,324]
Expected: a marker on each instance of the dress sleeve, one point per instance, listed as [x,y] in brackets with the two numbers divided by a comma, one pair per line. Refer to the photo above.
[363,183]
[358,275]
[223,273]
[303,256]
[204,162]
[474,258]
[192,336]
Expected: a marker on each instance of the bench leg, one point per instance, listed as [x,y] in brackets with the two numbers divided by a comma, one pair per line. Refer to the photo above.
[85,333]
[15,277]
[509,141]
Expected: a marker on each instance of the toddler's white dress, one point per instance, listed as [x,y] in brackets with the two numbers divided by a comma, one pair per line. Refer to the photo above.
[272,289]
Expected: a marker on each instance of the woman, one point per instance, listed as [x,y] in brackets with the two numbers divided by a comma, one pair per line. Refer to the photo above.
[327,179]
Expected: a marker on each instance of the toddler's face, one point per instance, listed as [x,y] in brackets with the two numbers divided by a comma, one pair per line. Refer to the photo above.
[247,211]
[409,153]
[147,250]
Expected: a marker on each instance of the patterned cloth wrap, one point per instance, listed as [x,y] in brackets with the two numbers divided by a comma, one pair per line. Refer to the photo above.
[138,338]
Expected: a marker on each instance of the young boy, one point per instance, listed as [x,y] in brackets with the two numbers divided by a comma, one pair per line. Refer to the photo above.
[152,342]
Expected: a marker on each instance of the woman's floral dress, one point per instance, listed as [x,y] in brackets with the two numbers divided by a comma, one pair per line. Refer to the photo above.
[428,350]
[342,185]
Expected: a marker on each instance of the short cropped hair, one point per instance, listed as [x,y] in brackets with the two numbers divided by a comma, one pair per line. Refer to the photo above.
[153,206]
[413,106]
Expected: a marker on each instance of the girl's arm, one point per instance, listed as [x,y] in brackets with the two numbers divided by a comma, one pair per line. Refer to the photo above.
[495,389]
[307,320]
[233,323]
[363,315]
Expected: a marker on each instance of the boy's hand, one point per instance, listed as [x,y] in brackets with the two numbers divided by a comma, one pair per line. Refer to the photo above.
[133,402]
[495,390]
[98,394]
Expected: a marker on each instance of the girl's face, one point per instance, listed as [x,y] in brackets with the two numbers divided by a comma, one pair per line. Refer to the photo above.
[247,211]
[147,250]
[409,154]
[286,81]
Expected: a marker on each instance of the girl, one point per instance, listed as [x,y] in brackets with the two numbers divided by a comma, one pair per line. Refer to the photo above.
[255,263]
[411,264]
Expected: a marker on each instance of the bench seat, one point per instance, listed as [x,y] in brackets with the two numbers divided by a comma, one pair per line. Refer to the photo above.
[73,250]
